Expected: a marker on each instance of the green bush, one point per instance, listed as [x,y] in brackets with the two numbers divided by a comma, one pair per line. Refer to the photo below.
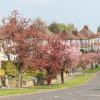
[9,68]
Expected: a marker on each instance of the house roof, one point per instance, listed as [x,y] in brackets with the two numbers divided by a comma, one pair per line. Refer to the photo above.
[70,36]
[85,33]
[84,36]
[97,35]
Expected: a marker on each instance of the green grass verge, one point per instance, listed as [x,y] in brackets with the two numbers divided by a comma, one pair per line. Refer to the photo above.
[92,70]
[16,91]
[75,81]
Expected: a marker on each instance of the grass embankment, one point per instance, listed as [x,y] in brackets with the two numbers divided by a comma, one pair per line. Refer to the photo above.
[75,81]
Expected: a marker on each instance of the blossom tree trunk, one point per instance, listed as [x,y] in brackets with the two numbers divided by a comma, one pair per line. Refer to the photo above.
[62,76]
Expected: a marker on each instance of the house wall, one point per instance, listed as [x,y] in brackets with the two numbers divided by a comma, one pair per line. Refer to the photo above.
[86,44]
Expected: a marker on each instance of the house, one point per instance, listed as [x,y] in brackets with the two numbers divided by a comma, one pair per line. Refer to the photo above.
[85,39]
[96,44]
[3,45]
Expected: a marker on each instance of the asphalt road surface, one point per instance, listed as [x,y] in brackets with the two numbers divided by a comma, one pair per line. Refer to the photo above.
[89,91]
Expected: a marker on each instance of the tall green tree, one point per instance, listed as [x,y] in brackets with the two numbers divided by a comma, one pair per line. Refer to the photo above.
[54,28]
[70,28]
[59,27]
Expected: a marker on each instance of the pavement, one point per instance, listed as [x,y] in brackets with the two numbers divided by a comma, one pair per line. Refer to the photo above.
[89,91]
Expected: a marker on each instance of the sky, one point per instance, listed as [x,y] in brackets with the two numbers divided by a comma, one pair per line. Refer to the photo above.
[78,12]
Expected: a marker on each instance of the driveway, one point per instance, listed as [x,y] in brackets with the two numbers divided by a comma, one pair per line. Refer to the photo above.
[89,91]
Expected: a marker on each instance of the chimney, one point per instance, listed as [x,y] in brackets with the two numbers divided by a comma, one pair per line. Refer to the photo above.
[75,33]
[86,27]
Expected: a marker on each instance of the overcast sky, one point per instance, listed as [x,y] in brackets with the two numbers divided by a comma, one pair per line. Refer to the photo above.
[78,12]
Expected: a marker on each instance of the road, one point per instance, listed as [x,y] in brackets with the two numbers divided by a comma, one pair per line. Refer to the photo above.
[89,91]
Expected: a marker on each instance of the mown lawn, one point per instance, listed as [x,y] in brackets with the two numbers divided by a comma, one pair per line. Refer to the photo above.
[75,81]
[16,91]
[92,70]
